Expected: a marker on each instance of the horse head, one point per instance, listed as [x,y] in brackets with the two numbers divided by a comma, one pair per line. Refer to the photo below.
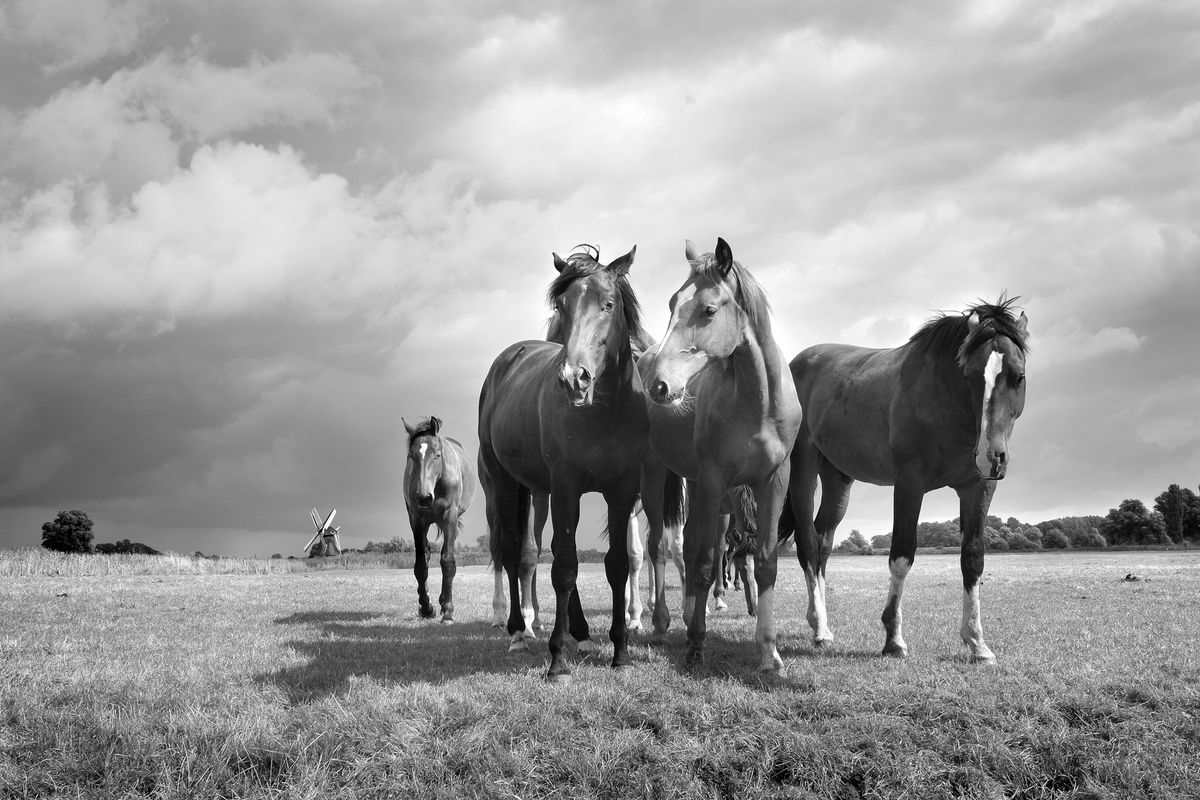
[996,366]
[594,313]
[424,460]
[710,318]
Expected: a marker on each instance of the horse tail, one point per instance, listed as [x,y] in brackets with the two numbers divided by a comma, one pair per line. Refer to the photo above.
[674,501]
[787,520]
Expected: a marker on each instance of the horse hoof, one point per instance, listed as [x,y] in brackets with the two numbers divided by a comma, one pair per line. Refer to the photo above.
[519,646]
[720,605]
[447,620]
[895,650]
[821,644]
[428,613]
[558,677]
[633,626]
[986,659]
[498,623]
[693,659]
[588,647]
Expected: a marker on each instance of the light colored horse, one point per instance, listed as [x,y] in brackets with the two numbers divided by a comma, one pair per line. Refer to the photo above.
[724,414]
[439,485]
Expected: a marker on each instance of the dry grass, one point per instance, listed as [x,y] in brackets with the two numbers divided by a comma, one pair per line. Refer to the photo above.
[327,684]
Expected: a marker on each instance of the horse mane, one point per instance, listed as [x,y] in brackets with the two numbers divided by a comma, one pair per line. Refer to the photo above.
[746,290]
[951,336]
[425,428]
[581,264]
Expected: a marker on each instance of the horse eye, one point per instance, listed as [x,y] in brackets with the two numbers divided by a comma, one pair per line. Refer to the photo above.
[710,311]
[609,306]
[1020,379]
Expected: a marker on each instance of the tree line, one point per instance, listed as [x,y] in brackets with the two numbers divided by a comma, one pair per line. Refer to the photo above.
[1174,520]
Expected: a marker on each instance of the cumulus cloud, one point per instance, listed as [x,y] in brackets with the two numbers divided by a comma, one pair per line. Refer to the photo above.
[78,34]
[237,243]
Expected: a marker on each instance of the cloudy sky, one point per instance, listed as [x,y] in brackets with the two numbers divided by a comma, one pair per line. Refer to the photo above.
[238,241]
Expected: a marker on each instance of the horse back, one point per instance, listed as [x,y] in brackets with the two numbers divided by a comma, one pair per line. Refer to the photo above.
[849,395]
[509,424]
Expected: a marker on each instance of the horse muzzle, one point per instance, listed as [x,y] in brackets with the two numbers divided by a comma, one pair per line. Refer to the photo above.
[579,383]
[424,501]
[993,466]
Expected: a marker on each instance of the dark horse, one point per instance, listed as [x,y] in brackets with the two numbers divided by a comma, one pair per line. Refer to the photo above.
[724,414]
[934,412]
[564,419]
[439,484]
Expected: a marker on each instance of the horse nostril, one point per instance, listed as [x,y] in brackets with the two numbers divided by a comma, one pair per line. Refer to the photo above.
[585,377]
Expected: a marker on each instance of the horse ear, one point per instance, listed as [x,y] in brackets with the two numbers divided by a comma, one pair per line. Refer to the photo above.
[1023,323]
[690,252]
[622,265]
[435,425]
[559,264]
[973,320]
[408,427]
[724,257]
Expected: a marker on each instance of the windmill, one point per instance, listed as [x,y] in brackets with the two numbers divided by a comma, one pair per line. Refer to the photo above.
[331,543]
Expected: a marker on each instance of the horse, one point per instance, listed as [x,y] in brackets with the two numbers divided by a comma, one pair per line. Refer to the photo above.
[563,419]
[439,485]
[741,537]
[724,413]
[936,411]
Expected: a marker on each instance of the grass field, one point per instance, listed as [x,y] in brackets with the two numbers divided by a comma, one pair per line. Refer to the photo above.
[327,684]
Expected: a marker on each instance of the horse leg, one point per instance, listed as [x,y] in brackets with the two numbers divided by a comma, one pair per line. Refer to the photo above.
[508,506]
[616,565]
[749,585]
[499,602]
[769,495]
[722,580]
[906,509]
[973,503]
[449,528]
[541,512]
[802,487]
[701,540]
[564,572]
[636,553]
[421,565]
[654,477]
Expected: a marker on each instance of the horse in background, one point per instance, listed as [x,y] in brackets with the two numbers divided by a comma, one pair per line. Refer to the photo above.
[741,538]
[937,411]
[724,414]
[439,485]
[563,418]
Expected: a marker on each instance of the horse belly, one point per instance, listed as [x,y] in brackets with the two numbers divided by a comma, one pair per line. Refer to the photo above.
[856,447]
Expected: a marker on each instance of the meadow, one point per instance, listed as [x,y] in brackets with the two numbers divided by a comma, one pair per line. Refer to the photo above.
[158,679]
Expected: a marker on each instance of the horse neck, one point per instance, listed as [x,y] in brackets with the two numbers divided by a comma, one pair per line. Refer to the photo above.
[619,367]
[756,365]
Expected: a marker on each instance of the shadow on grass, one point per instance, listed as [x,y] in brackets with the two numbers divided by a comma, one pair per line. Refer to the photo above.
[317,617]
[396,652]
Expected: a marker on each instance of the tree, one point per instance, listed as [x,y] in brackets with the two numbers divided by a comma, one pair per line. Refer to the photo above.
[882,542]
[854,543]
[1132,523]
[69,532]
[1174,505]
[1055,539]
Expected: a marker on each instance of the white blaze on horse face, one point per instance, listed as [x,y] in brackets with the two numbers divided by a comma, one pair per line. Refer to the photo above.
[995,364]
